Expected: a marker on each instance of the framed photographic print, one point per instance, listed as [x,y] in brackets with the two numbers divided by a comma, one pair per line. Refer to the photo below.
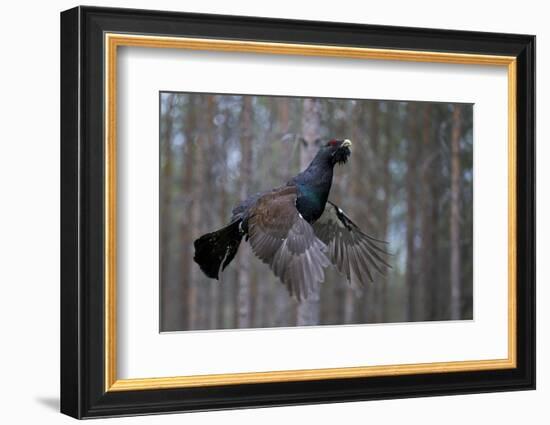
[261,212]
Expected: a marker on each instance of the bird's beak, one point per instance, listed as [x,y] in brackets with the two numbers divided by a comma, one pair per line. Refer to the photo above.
[346,144]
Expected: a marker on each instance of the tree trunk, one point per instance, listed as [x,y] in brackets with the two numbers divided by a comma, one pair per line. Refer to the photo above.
[455,215]
[426,223]
[385,214]
[376,206]
[169,311]
[412,149]
[364,178]
[244,254]
[210,131]
[193,174]
[307,312]
[353,191]
[186,224]
[435,220]
[226,299]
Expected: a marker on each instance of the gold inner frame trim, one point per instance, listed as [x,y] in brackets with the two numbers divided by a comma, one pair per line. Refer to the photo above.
[113,41]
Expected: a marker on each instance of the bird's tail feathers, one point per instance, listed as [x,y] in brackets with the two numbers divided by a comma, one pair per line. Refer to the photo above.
[214,251]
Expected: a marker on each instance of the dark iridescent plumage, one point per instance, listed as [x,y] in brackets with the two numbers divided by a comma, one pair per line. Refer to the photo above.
[297,231]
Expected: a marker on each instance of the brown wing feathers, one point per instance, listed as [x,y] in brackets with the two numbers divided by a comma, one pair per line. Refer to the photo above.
[280,237]
[298,253]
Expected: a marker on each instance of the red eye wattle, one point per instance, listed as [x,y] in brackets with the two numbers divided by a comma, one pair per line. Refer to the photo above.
[333,142]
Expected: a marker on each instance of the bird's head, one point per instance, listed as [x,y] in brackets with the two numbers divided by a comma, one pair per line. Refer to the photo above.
[337,151]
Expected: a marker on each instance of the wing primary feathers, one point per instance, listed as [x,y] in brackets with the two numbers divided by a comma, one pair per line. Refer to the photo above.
[361,265]
[350,249]
[374,254]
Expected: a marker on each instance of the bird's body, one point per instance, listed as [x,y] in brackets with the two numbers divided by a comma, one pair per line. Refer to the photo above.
[296,230]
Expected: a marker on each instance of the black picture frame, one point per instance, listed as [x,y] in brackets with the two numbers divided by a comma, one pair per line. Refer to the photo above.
[83,392]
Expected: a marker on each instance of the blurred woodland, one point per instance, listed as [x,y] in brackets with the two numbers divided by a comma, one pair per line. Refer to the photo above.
[409,181]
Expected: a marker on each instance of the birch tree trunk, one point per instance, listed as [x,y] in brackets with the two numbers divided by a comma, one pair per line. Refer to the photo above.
[307,312]
[455,216]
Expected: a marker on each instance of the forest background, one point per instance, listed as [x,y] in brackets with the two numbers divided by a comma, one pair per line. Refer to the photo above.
[409,181]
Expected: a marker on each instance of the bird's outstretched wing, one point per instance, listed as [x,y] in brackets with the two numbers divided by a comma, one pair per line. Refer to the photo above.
[280,237]
[349,249]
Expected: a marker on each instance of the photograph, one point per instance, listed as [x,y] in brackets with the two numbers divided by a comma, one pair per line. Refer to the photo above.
[301,211]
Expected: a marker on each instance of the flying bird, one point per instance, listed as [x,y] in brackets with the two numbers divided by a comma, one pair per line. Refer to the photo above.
[297,231]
